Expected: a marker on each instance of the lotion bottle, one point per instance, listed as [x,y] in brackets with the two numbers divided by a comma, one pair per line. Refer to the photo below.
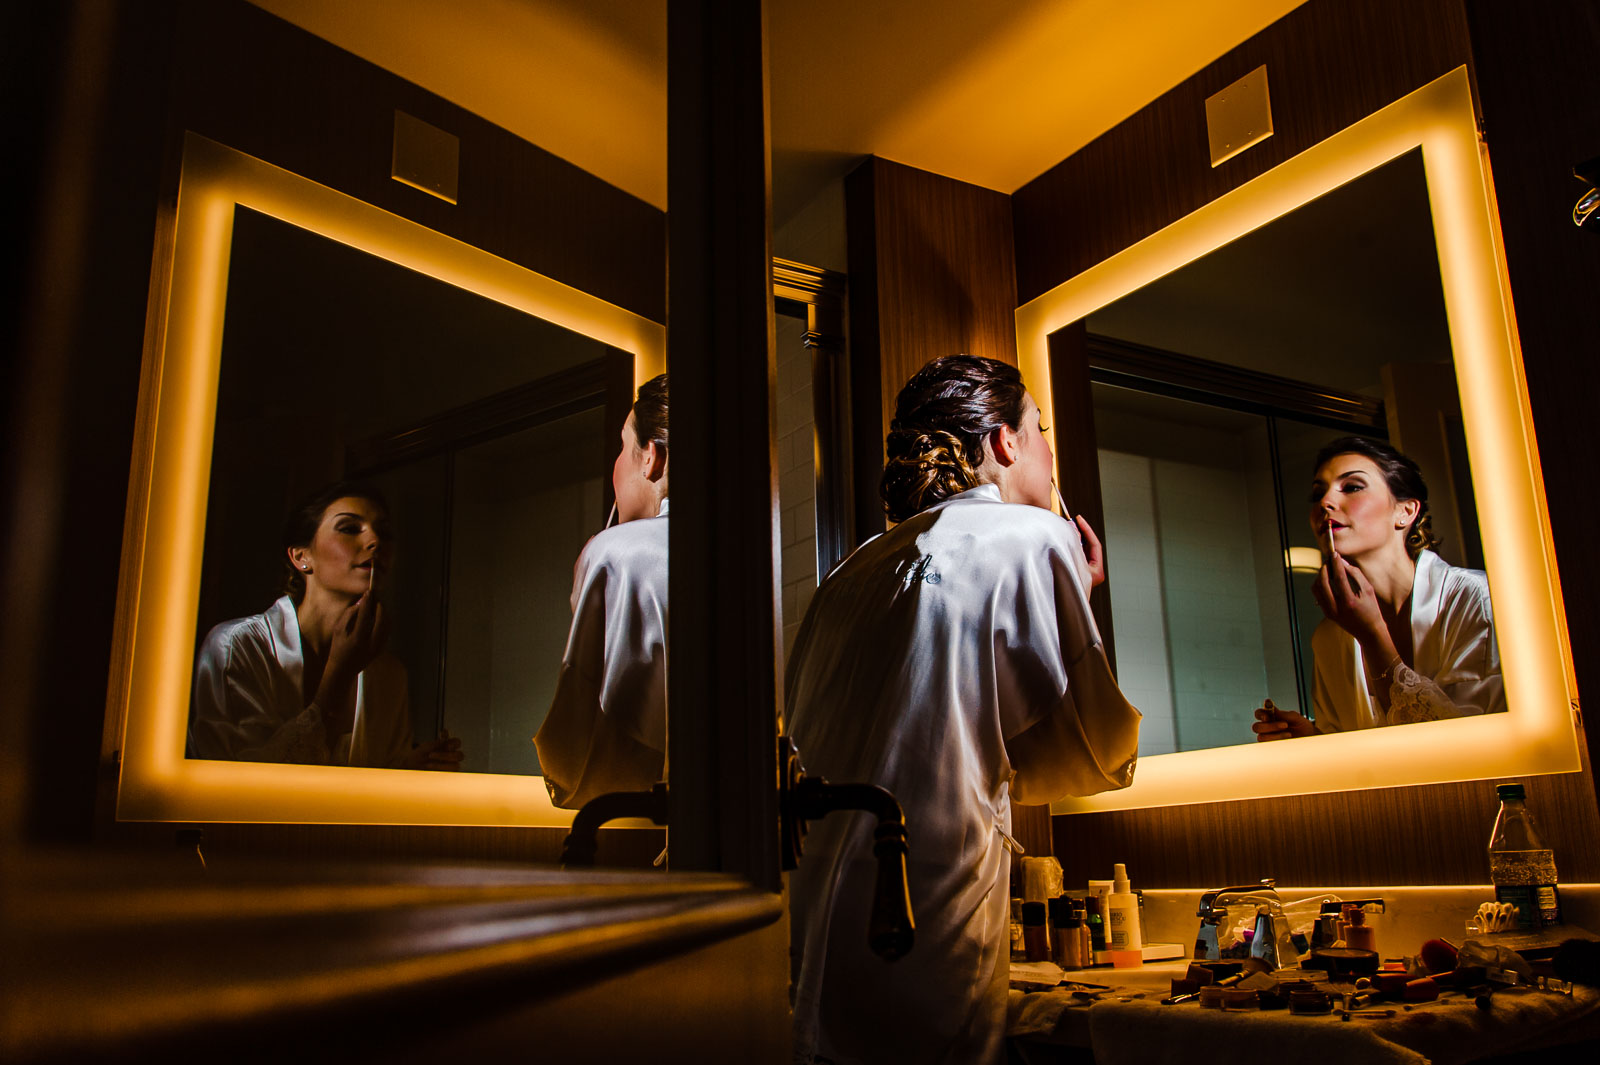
[1122,916]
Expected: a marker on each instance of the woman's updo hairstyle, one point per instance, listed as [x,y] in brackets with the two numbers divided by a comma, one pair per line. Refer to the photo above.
[1401,474]
[650,413]
[300,527]
[941,419]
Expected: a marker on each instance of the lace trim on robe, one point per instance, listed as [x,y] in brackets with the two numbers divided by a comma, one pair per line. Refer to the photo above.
[1413,697]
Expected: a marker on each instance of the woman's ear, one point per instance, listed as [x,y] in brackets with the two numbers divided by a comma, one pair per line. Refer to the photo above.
[1003,444]
[300,559]
[1405,512]
[655,461]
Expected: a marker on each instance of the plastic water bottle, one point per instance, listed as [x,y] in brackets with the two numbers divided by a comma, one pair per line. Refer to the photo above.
[1522,867]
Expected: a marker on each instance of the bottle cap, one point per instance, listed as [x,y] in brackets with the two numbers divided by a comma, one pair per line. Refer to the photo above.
[1033,913]
[1510,791]
[1120,881]
[1060,909]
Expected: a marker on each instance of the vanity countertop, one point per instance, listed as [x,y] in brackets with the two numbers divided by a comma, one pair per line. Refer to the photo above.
[1129,1025]
[1128,1030]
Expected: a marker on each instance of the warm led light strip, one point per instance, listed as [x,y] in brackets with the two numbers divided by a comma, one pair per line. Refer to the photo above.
[1537,735]
[161,589]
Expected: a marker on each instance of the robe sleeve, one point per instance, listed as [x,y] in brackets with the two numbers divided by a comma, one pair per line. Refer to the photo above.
[1332,686]
[234,716]
[1082,736]
[584,751]
[386,709]
[1469,669]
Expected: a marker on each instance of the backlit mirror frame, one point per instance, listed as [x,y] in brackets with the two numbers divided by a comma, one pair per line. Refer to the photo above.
[1539,734]
[158,596]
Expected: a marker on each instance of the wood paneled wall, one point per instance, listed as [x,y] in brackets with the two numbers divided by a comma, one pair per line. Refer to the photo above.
[1330,63]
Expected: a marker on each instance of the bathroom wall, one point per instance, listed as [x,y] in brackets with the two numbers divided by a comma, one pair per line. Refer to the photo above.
[1330,63]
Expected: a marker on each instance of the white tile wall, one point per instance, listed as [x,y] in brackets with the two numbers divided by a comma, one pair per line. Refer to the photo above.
[797,483]
[1133,559]
[1181,550]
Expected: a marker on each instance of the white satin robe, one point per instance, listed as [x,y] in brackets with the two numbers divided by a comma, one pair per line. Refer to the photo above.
[607,726]
[954,661]
[1455,670]
[249,706]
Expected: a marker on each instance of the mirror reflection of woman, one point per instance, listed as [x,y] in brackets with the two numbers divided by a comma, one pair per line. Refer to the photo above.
[1407,636]
[954,661]
[308,681]
[607,726]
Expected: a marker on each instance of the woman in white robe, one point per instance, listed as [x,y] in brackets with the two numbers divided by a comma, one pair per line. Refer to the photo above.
[307,681]
[607,726]
[1407,637]
[954,661]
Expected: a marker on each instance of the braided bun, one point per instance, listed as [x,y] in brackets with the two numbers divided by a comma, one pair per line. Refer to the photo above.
[925,466]
[941,419]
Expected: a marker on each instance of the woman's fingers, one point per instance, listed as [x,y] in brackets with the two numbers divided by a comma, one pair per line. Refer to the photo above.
[1093,550]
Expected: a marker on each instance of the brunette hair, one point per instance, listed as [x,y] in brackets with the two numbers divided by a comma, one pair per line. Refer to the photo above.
[300,527]
[1401,474]
[941,418]
[650,412]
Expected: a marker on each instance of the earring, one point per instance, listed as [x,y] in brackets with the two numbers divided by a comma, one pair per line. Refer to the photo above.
[305,568]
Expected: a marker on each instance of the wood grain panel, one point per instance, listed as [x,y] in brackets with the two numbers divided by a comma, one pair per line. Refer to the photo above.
[942,279]
[265,87]
[1330,63]
[1437,834]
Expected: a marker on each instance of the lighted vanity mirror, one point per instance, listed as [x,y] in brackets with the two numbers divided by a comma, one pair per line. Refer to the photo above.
[1225,351]
[312,338]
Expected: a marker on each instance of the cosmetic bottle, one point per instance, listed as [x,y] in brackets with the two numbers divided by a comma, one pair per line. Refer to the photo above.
[1122,918]
[1094,920]
[1018,952]
[1035,936]
[1066,933]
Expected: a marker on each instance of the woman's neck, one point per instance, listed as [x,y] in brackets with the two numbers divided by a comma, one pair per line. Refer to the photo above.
[317,612]
[1391,572]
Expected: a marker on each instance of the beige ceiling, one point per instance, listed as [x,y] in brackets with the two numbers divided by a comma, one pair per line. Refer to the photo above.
[988,91]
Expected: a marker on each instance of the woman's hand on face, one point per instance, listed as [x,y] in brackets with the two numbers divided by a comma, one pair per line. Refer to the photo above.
[358,638]
[443,753]
[1273,723]
[1093,552]
[1346,597]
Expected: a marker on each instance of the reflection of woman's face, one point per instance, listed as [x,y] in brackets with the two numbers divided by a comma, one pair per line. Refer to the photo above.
[353,539]
[630,477]
[1035,461]
[1352,508]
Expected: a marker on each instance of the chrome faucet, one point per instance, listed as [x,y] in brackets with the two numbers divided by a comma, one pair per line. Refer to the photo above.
[1272,942]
